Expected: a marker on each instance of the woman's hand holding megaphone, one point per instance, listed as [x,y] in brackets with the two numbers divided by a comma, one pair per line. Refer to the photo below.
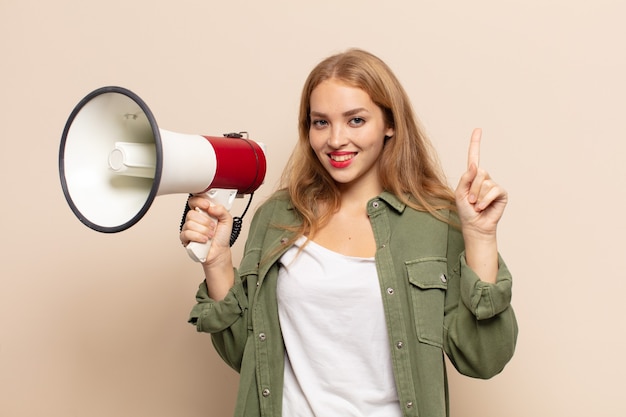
[207,222]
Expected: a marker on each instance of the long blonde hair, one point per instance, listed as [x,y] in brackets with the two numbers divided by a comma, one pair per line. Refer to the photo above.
[409,167]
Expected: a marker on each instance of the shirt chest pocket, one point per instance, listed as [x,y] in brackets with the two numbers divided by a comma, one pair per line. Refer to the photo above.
[429,283]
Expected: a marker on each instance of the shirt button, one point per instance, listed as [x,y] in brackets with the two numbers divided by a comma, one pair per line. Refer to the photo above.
[375,204]
[283,241]
[262,337]
[443,278]
[399,345]
[266,392]
[390,291]
[409,404]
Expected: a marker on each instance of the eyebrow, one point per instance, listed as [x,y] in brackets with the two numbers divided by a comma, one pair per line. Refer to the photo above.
[345,114]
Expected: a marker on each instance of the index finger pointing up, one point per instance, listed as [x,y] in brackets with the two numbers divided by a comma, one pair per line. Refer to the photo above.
[473,156]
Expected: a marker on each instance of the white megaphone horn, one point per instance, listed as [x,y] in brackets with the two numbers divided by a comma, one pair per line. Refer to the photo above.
[114,160]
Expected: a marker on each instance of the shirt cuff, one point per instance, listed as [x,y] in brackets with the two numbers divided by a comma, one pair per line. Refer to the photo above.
[212,316]
[485,300]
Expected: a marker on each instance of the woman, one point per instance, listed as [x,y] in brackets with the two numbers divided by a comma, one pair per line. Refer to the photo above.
[363,269]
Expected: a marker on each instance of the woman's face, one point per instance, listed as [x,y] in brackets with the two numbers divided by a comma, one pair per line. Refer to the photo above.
[347,134]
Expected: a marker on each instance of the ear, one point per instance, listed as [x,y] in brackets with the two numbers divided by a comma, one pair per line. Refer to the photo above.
[389,133]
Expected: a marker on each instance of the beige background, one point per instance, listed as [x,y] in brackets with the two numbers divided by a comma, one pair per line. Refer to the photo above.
[95,325]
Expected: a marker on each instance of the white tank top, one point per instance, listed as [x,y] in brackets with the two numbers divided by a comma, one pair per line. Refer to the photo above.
[337,360]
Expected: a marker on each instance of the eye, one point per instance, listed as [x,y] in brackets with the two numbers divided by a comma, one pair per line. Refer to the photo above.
[318,123]
[357,121]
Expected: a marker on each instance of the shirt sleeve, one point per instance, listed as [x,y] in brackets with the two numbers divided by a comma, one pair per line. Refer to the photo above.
[225,320]
[212,316]
[480,328]
[483,299]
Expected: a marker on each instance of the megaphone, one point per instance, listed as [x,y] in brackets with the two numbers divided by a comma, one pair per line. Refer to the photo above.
[114,160]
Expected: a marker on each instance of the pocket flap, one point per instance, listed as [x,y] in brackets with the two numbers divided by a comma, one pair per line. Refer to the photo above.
[427,273]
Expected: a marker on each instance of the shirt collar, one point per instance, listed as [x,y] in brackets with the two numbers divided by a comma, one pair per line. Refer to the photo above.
[393,201]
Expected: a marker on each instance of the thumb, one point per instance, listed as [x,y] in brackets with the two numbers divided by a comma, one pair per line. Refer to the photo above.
[219,213]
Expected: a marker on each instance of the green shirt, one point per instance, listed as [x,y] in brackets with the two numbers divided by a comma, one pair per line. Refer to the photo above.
[433,303]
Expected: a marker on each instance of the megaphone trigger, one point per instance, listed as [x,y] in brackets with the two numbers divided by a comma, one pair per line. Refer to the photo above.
[199,251]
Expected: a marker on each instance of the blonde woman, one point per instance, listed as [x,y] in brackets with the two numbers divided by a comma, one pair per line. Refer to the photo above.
[364,269]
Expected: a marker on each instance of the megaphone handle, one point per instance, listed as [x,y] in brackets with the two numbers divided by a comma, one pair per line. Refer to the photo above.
[217,196]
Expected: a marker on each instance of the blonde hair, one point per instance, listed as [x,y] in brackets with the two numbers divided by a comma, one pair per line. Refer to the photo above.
[409,167]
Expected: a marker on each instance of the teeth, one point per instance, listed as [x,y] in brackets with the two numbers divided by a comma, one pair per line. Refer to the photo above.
[341,158]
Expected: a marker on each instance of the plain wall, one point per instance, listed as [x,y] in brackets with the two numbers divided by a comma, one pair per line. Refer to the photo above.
[95,325]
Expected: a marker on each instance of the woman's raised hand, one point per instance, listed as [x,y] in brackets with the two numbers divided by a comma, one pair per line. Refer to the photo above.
[480,201]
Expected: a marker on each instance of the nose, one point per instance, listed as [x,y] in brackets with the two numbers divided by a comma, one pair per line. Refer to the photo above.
[337,137]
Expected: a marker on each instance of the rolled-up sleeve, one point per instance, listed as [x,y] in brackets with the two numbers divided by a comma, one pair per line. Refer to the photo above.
[225,320]
[485,300]
[481,329]
[212,316]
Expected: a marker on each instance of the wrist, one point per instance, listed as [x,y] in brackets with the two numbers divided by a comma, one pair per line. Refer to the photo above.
[218,264]
[478,236]
[219,276]
[481,255]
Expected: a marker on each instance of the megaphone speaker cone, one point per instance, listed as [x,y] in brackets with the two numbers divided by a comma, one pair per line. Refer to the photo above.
[101,198]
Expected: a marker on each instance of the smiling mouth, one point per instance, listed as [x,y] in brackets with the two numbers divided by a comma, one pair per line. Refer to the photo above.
[342,157]
[340,160]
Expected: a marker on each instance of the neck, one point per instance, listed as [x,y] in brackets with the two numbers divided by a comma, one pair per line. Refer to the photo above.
[357,197]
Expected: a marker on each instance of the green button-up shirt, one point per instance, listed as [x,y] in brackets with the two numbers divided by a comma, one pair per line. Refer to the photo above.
[433,303]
